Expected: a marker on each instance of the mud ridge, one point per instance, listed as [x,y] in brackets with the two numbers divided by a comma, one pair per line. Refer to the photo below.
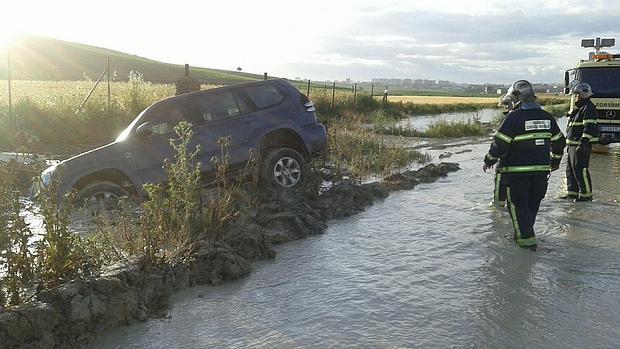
[67,316]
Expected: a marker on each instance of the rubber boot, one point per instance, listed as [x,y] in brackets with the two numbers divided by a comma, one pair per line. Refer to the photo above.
[583,199]
[527,243]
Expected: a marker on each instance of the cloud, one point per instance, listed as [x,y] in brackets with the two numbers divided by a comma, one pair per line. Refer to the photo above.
[531,42]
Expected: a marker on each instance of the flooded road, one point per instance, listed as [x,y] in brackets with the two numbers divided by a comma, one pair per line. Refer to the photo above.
[432,267]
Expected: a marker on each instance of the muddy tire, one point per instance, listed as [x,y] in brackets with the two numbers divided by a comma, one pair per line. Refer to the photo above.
[283,168]
[100,195]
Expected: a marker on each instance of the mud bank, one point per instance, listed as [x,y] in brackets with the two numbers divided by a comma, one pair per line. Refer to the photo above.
[65,317]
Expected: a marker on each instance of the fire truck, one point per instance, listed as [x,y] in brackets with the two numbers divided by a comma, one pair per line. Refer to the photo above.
[602,71]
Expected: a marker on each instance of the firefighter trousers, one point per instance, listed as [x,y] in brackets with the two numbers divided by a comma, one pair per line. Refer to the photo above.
[524,192]
[499,193]
[578,180]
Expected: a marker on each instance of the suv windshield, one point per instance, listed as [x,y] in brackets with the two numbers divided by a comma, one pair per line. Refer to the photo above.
[605,82]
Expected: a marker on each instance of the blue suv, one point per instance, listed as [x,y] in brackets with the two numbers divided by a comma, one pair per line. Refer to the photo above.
[272,117]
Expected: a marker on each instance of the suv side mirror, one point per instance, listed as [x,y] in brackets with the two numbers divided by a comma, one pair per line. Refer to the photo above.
[144,130]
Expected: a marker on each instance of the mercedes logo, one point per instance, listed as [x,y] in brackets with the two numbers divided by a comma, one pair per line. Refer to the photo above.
[611,114]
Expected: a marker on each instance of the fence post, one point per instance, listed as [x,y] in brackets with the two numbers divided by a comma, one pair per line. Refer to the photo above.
[372,91]
[333,95]
[109,92]
[90,92]
[8,67]
[385,94]
[354,93]
[308,94]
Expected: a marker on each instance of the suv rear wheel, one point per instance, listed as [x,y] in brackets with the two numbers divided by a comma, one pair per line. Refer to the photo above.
[100,195]
[283,168]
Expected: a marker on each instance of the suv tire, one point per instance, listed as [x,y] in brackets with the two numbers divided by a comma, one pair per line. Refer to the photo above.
[283,168]
[100,195]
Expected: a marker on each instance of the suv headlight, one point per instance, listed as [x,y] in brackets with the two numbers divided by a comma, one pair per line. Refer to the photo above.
[46,176]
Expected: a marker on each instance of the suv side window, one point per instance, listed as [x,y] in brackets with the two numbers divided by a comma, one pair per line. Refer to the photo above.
[218,106]
[245,103]
[165,116]
[264,96]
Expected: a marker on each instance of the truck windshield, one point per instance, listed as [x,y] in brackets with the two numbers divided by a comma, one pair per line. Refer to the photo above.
[605,82]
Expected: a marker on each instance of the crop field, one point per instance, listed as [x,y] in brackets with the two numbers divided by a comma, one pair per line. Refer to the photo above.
[490,101]
[544,98]
[71,93]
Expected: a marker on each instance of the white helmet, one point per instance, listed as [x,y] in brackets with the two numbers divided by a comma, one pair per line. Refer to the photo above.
[521,91]
[582,89]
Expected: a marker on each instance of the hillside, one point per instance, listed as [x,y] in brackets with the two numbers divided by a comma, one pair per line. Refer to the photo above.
[37,58]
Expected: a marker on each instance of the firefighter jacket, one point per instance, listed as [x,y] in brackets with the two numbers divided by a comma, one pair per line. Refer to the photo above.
[582,123]
[529,141]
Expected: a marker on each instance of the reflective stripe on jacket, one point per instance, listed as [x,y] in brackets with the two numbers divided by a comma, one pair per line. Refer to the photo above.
[528,141]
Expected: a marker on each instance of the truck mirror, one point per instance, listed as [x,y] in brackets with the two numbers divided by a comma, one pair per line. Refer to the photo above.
[566,78]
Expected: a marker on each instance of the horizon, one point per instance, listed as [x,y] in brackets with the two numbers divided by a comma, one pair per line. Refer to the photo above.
[475,43]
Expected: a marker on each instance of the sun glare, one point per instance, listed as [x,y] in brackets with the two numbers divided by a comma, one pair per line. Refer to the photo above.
[6,38]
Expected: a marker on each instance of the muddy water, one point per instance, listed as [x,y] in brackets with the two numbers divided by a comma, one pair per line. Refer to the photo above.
[432,267]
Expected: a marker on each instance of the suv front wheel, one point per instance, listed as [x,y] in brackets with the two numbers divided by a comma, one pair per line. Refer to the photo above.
[283,168]
[100,195]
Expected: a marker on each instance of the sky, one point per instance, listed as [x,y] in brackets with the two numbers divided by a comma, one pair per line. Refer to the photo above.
[463,41]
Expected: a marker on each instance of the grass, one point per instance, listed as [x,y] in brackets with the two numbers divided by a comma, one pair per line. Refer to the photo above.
[558,110]
[364,153]
[446,100]
[438,129]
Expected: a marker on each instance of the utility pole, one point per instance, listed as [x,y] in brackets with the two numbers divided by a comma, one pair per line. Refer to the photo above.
[109,103]
[8,69]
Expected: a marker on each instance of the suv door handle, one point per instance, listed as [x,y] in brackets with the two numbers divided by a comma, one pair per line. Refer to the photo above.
[248,120]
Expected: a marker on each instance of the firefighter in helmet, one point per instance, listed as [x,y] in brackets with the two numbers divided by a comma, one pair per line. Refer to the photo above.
[581,133]
[530,145]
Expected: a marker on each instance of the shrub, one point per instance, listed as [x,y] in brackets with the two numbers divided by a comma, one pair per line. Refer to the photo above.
[16,259]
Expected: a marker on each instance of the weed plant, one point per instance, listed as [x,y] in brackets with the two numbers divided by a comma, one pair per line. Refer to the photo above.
[176,214]
[16,258]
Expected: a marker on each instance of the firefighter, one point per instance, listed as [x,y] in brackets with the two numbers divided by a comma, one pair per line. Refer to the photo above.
[499,192]
[530,145]
[581,133]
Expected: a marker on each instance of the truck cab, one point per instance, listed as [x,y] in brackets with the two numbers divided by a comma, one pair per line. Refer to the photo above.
[602,72]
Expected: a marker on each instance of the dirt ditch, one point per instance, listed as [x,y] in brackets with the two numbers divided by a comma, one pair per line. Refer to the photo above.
[65,317]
